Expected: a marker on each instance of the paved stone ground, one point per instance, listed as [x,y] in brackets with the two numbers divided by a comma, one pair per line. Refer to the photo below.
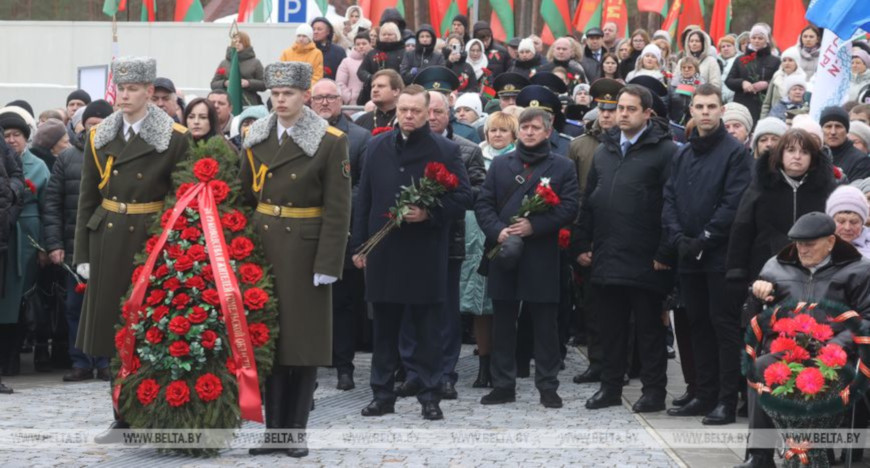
[43,402]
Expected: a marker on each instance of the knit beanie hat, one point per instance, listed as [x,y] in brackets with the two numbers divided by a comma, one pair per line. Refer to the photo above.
[860,130]
[807,124]
[768,126]
[861,54]
[836,114]
[11,119]
[526,44]
[49,133]
[99,108]
[792,53]
[80,95]
[305,30]
[848,198]
[652,49]
[471,101]
[795,79]
[738,112]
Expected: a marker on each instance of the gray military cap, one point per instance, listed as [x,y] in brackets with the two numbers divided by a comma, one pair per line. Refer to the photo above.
[134,70]
[289,74]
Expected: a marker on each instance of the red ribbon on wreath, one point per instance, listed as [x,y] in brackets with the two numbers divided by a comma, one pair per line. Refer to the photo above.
[228,292]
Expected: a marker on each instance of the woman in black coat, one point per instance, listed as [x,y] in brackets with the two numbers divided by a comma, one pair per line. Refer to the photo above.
[387,53]
[751,73]
[455,59]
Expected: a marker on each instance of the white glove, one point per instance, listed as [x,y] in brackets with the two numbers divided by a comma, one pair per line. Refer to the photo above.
[84,270]
[323,279]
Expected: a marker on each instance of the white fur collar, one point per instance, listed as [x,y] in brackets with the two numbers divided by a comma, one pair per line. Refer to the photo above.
[156,129]
[307,132]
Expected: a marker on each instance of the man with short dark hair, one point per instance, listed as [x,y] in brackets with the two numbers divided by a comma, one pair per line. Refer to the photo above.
[387,84]
[708,178]
[220,99]
[406,274]
[620,237]
[527,276]
[835,126]
[332,53]
[593,53]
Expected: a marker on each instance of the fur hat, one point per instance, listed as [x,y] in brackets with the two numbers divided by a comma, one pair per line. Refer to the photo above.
[768,126]
[860,130]
[134,70]
[471,101]
[847,198]
[807,124]
[305,30]
[738,112]
[795,79]
[10,119]
[49,133]
[526,44]
[289,74]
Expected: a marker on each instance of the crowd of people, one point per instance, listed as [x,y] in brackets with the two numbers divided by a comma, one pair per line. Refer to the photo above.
[676,173]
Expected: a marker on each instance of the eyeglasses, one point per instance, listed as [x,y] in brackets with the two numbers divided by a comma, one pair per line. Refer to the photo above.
[330,98]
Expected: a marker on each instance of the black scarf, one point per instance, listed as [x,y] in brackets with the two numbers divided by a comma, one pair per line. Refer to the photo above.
[533,154]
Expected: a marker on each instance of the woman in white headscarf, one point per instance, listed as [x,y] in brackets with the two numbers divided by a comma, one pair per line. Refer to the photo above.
[476,57]
[355,21]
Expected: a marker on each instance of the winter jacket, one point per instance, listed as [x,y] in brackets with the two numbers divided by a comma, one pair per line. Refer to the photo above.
[620,217]
[393,52]
[627,65]
[421,57]
[527,68]
[780,110]
[333,54]
[349,84]
[727,93]
[61,199]
[572,66]
[582,150]
[463,71]
[709,65]
[775,93]
[499,59]
[707,181]
[472,157]
[250,69]
[761,68]
[858,83]
[809,61]
[851,160]
[591,66]
[305,53]
[768,210]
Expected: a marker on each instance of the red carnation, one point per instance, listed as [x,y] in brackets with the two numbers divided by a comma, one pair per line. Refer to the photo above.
[154,335]
[150,243]
[147,391]
[208,387]
[197,253]
[191,234]
[822,332]
[30,185]
[564,238]
[81,288]
[327,71]
[219,190]
[259,334]
[177,393]
[179,325]
[171,284]
[137,272]
[135,364]
[433,169]
[250,273]
[810,381]
[798,354]
[174,251]
[179,348]
[234,220]
[832,355]
[782,344]
[180,222]
[161,271]
[255,298]
[838,174]
[784,326]
[777,373]
[156,297]
[221,71]
[197,315]
[547,194]
[207,339]
[206,169]
[159,312]
[120,337]
[231,365]
[241,248]
[211,296]
[207,274]
[184,263]
[804,324]
[195,282]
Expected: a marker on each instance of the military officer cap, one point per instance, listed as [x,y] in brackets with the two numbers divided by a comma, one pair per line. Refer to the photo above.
[811,226]
[604,92]
[658,91]
[510,84]
[550,81]
[289,74]
[440,79]
[134,70]
[542,98]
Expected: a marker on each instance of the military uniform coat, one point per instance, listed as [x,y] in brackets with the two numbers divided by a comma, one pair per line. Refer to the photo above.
[141,173]
[308,169]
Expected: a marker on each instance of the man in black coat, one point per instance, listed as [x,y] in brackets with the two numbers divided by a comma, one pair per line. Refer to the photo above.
[593,53]
[620,236]
[332,54]
[347,292]
[496,55]
[406,274]
[533,279]
[835,126]
[707,181]
[422,56]
[11,197]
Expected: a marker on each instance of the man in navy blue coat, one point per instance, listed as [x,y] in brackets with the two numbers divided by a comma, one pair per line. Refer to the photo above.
[534,280]
[406,274]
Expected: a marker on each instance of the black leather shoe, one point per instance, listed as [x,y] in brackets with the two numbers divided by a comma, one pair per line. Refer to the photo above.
[649,404]
[109,436]
[297,452]
[551,399]
[695,407]
[499,396]
[683,399]
[379,408]
[4,390]
[758,459]
[78,374]
[408,389]
[263,451]
[603,399]
[345,382]
[104,374]
[721,414]
[448,391]
[431,411]
[588,376]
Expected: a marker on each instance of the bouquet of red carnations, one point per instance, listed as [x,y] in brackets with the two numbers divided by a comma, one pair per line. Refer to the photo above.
[543,200]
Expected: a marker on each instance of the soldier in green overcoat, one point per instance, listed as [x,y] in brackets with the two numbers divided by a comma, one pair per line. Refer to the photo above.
[128,161]
[295,169]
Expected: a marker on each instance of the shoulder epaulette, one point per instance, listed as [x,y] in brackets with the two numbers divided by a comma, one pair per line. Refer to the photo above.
[334,131]
[179,128]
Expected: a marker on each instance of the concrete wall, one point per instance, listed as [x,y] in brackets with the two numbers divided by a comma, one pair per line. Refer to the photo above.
[39,60]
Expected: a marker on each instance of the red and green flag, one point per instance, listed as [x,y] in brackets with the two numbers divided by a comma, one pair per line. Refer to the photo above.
[112,7]
[502,19]
[653,6]
[616,12]
[373,9]
[189,11]
[254,11]
[789,19]
[556,14]
[594,13]
[149,11]
[720,22]
[683,13]
[442,12]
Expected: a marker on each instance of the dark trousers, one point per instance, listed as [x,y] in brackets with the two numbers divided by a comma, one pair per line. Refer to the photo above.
[683,332]
[546,338]
[589,310]
[425,325]
[288,396]
[347,299]
[716,339]
[73,308]
[616,305]
[525,343]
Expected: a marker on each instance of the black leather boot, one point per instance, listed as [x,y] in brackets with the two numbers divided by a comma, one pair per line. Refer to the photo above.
[275,386]
[303,380]
[484,379]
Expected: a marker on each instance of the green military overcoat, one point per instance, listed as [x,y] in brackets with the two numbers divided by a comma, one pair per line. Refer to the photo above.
[308,169]
[140,173]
